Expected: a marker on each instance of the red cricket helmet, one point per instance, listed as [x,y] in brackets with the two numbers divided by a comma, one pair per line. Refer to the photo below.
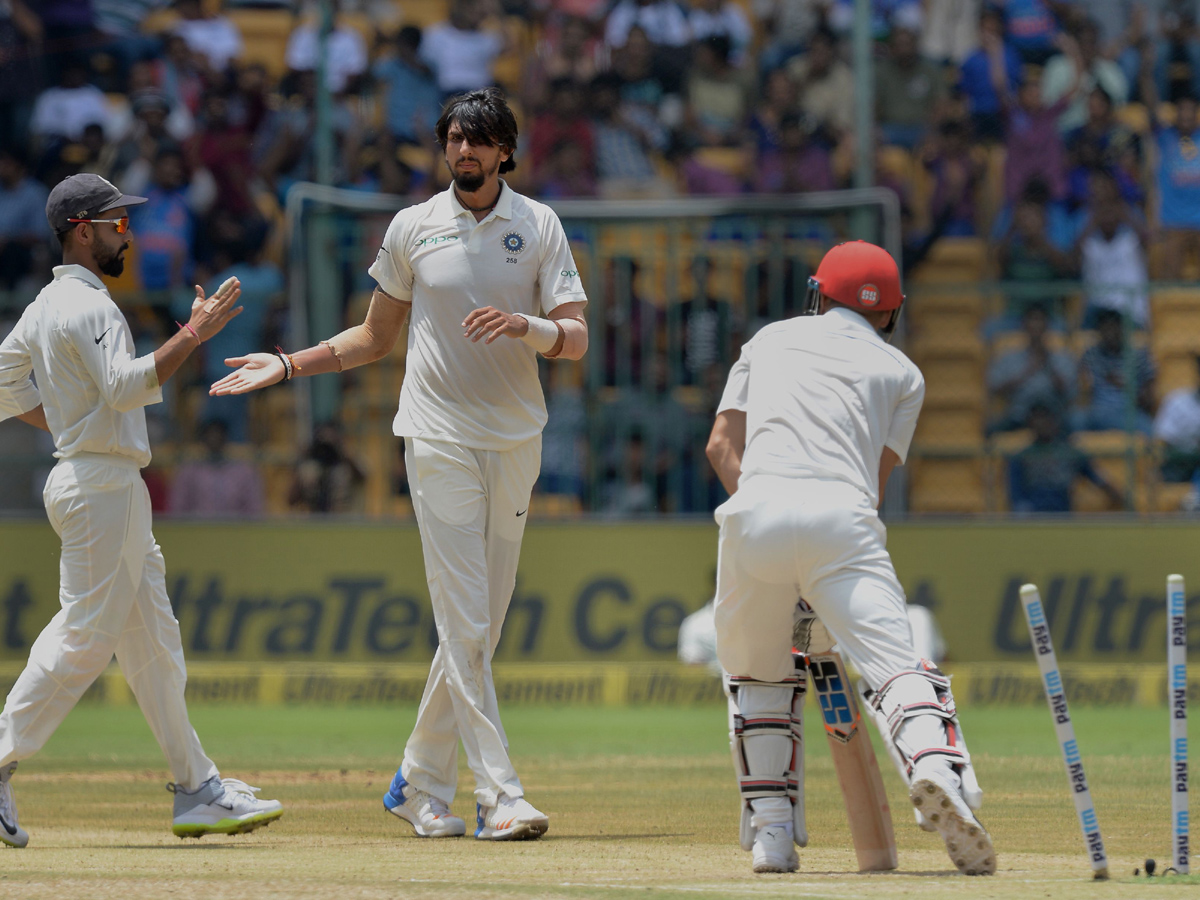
[859,275]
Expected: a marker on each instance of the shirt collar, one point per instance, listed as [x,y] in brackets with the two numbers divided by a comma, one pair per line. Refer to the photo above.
[77,271]
[852,321]
[503,208]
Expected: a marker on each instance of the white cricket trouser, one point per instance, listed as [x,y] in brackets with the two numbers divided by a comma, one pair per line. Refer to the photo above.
[470,507]
[785,538]
[112,587]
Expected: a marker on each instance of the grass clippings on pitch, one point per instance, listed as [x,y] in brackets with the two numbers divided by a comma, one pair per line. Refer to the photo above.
[642,804]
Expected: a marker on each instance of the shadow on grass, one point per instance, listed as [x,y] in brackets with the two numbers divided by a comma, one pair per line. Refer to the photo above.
[616,837]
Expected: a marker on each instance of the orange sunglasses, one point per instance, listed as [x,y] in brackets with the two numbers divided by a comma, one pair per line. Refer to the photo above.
[122,224]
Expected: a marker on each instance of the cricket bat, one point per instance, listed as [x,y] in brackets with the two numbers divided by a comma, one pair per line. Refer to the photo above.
[855,764]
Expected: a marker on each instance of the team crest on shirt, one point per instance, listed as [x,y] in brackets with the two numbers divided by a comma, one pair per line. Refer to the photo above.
[868,295]
[514,242]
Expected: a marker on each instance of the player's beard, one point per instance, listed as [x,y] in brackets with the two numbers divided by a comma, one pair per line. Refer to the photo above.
[470,182]
[110,261]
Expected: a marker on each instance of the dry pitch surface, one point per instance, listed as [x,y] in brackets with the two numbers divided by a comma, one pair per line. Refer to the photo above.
[642,804]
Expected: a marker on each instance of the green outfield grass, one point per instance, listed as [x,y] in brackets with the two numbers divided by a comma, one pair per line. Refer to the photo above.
[642,803]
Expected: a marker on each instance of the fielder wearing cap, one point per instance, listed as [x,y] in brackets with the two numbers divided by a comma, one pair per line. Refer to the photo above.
[490,280]
[68,368]
[817,412]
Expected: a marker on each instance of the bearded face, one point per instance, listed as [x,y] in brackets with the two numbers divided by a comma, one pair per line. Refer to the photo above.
[110,258]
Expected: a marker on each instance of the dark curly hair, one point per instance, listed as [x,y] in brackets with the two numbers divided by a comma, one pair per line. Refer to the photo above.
[485,119]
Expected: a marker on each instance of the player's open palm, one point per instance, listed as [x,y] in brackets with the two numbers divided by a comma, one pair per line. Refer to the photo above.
[210,316]
[255,371]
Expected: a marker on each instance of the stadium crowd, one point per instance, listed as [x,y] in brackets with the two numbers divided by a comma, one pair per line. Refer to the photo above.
[1083,115]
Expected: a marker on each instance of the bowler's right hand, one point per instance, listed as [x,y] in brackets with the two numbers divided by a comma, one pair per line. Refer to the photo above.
[258,370]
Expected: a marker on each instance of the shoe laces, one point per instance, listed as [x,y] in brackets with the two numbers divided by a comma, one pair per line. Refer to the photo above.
[435,806]
[237,786]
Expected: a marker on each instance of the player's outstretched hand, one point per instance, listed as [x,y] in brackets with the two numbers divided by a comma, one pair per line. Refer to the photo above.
[489,323]
[257,370]
[210,316]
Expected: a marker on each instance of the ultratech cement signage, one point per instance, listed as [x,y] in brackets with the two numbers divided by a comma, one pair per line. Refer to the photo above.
[597,592]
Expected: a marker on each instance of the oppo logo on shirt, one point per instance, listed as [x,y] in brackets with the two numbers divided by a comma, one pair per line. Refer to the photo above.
[568,273]
[430,241]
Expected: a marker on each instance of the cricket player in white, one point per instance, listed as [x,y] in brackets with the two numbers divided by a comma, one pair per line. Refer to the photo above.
[817,412]
[67,368]
[474,264]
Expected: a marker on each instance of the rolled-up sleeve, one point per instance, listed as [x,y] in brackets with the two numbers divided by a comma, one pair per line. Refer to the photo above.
[18,393]
[100,337]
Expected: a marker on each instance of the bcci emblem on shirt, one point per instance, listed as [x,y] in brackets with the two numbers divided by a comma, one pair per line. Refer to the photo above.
[513,242]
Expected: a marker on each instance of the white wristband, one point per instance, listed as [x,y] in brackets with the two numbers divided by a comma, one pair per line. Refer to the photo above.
[542,334]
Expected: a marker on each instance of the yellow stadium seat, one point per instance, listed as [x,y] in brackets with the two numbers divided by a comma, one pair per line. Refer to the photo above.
[947,486]
[950,428]
[1135,117]
[265,34]
[424,13]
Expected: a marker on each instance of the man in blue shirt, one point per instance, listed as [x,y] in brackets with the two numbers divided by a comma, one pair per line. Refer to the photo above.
[977,77]
[23,228]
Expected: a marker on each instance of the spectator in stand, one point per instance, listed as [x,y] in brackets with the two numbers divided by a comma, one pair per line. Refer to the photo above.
[718,95]
[413,101]
[787,26]
[708,18]
[345,57]
[564,445]
[1177,425]
[627,490]
[625,144]
[182,78]
[24,238]
[1174,56]
[1041,476]
[238,253]
[68,28]
[1032,28]
[778,98]
[797,164]
[1077,74]
[215,485]
[213,39]
[996,61]
[707,323]
[644,93]
[1028,257]
[1112,261]
[1177,178]
[134,154]
[1034,375]
[224,149]
[664,22]
[1116,402]
[957,173]
[568,48]
[563,123]
[165,228]
[119,27]
[909,91]
[1103,145]
[460,52]
[826,86]
[61,113]
[950,30]
[327,480]
[567,172]
[284,143]
[20,71]
[1034,145]
[886,16]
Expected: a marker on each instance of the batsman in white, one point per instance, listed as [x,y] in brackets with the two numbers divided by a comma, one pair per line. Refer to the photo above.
[475,265]
[89,394]
[817,412]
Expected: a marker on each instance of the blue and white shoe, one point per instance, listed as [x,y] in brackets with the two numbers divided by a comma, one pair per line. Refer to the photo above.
[509,820]
[11,834]
[429,816]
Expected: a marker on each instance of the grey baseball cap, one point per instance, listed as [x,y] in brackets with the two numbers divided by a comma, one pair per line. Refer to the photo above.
[84,196]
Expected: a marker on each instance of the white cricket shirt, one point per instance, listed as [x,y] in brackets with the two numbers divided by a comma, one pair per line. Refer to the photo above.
[823,395]
[517,259]
[74,341]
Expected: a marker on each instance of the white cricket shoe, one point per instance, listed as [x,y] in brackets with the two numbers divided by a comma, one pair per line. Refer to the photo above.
[775,849]
[509,820]
[941,804]
[11,833]
[428,815]
[221,806]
